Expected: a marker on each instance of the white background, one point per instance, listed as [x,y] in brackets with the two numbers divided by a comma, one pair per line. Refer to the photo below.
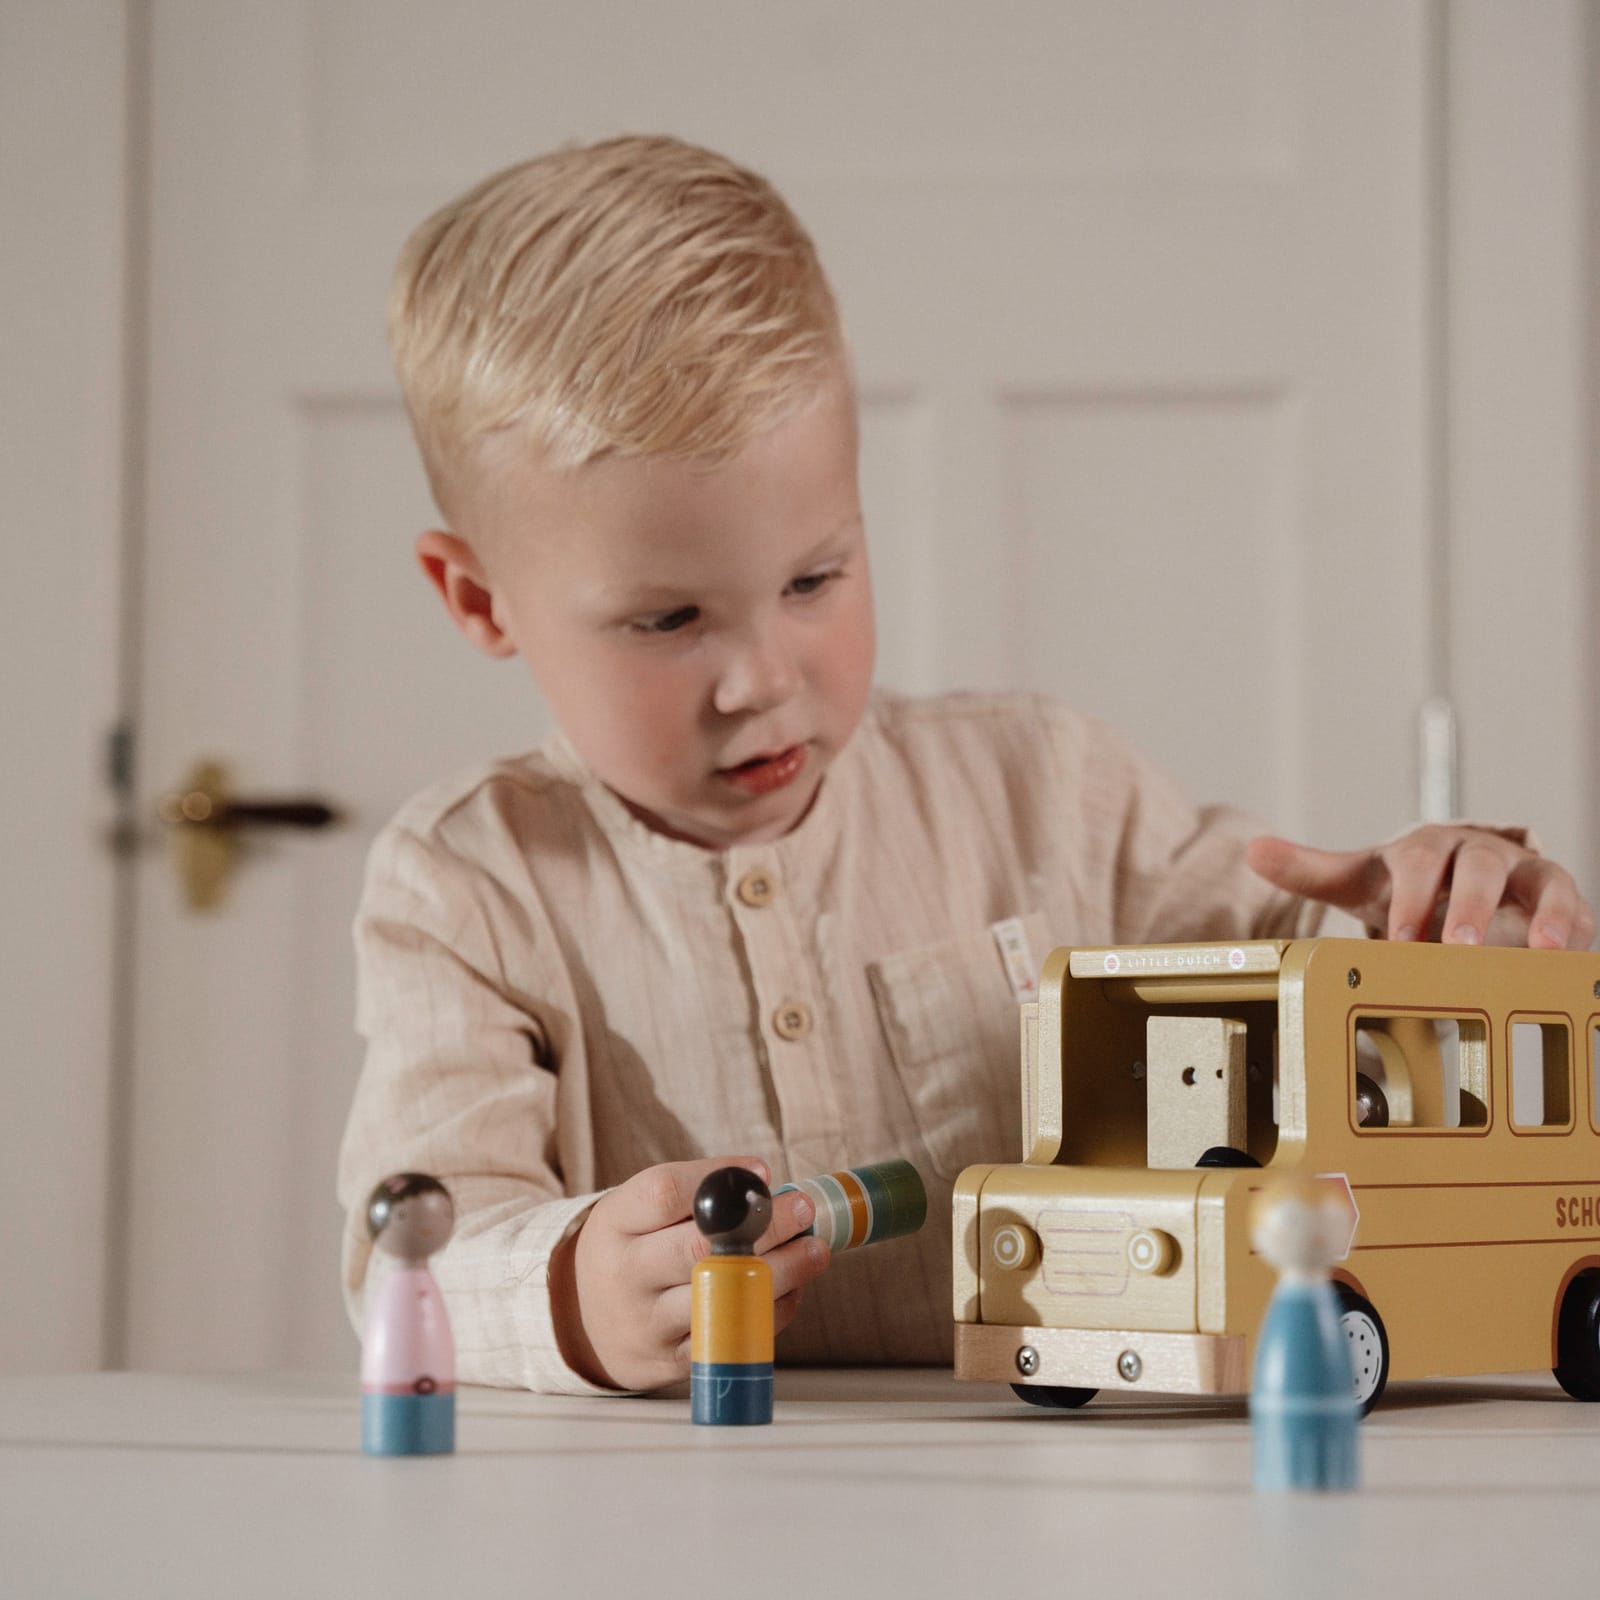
[1228,369]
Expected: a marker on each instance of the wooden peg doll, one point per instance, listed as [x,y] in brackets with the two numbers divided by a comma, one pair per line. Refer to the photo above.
[864,1205]
[1304,1415]
[730,1309]
[408,1368]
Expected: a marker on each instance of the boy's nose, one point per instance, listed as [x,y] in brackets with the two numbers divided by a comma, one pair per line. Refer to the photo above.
[759,676]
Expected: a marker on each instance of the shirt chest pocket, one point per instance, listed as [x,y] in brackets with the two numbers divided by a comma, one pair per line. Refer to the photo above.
[950,1017]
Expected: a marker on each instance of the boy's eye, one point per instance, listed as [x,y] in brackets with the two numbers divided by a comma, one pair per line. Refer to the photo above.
[667,622]
[811,582]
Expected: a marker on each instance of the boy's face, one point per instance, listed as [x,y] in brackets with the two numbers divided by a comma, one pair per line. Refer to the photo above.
[703,634]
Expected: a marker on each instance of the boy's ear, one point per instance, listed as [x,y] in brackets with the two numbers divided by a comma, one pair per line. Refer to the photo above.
[452,567]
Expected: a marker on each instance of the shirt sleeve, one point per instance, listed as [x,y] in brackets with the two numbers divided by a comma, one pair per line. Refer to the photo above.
[461,1080]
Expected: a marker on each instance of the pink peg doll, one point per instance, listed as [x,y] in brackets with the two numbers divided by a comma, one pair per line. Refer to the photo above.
[408,1361]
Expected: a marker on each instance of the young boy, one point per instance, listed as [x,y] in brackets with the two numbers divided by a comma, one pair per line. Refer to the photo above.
[739,909]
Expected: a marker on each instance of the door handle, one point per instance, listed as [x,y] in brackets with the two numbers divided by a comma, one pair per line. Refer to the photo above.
[206,818]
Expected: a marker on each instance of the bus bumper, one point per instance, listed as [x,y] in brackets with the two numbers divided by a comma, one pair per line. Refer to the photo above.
[1081,1358]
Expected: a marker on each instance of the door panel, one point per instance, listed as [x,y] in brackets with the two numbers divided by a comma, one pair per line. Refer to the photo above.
[64,249]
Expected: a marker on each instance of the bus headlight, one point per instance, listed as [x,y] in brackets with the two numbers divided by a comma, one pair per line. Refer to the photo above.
[1153,1251]
[1014,1247]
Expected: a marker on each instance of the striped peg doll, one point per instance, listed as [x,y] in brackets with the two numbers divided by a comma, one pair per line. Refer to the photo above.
[864,1205]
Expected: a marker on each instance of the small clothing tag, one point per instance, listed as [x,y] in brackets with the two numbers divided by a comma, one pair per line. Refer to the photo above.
[1022,971]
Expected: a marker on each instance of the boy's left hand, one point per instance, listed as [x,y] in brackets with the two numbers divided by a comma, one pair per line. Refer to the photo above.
[1494,890]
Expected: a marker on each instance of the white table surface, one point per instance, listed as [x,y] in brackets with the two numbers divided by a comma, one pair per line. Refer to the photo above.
[868,1482]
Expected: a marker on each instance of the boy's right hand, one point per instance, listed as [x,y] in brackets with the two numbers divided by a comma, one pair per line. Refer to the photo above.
[620,1289]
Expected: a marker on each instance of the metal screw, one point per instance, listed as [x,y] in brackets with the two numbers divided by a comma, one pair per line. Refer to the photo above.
[1353,977]
[1130,1366]
[1027,1361]
[1597,991]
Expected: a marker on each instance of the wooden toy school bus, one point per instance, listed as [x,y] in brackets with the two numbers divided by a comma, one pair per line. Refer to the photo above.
[1451,1089]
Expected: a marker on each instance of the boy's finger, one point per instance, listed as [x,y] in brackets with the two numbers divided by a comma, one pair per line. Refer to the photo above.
[1418,866]
[1552,901]
[792,1214]
[1346,878]
[784,1308]
[1477,882]
[662,1196]
[663,1259]
[669,1319]
[796,1263]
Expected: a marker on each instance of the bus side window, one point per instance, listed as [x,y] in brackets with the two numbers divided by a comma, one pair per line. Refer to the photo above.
[1594,1077]
[1541,1075]
[1420,1072]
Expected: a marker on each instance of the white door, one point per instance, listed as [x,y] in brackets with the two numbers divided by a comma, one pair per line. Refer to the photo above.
[1138,293]
[63,239]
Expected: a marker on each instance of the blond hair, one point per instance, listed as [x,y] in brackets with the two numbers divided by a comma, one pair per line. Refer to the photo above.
[634,297]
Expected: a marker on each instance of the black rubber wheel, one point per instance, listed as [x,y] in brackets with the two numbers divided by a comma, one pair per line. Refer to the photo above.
[1052,1396]
[1226,1155]
[1369,1345]
[1577,1367]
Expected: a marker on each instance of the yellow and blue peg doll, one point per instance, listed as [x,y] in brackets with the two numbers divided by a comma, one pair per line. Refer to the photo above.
[730,1306]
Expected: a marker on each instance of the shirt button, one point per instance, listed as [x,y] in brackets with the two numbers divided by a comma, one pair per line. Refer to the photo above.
[756,887]
[792,1020]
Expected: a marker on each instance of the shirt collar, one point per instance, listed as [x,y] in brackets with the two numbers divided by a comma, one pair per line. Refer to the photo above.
[811,838]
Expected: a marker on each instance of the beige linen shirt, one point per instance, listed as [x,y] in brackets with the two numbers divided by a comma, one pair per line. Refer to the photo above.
[555,997]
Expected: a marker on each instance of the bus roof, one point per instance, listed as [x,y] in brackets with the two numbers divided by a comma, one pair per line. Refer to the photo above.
[1222,960]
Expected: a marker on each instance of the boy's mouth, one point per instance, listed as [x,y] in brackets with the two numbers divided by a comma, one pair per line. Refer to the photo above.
[763,774]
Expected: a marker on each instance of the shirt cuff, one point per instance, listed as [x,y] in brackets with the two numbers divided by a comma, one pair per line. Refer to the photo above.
[497,1289]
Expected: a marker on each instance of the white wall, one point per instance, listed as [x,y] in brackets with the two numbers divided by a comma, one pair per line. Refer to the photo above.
[62,255]
[1520,295]
[1517,167]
